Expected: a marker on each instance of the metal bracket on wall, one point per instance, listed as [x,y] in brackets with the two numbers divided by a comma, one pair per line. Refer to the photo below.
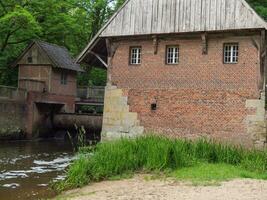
[204,43]
[155,44]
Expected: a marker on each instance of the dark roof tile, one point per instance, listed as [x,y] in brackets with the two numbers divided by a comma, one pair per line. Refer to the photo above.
[59,56]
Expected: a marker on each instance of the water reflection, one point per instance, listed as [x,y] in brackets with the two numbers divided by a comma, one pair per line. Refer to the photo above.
[26,168]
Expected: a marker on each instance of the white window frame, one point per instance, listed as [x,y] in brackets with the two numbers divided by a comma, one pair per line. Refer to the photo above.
[63,78]
[230,53]
[135,55]
[172,55]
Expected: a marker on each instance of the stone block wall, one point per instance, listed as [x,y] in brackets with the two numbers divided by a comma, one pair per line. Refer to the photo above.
[118,121]
[256,121]
[12,119]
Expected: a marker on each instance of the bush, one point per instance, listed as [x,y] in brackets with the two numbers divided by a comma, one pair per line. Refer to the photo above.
[154,153]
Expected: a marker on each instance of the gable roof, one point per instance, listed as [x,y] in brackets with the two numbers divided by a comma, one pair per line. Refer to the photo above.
[139,17]
[59,56]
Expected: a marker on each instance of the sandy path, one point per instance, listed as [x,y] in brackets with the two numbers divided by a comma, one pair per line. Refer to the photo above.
[140,189]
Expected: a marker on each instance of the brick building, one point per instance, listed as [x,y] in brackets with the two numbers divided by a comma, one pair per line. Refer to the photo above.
[48,74]
[183,68]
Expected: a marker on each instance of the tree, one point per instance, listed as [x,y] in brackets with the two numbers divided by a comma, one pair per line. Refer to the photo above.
[260,7]
[17,26]
[69,23]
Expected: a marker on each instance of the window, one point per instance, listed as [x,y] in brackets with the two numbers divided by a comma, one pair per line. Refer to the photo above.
[63,79]
[230,54]
[135,55]
[172,55]
[29,59]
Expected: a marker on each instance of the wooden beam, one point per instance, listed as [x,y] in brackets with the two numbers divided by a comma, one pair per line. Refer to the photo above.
[99,58]
[155,44]
[262,83]
[204,44]
[109,64]
[108,45]
[255,43]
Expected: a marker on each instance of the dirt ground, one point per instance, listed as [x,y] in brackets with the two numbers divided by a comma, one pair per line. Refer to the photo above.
[140,188]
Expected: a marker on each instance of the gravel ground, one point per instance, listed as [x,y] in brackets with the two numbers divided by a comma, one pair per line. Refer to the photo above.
[139,188]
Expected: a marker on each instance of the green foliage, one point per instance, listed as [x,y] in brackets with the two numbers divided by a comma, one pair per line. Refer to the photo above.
[152,153]
[260,7]
[206,173]
[93,77]
[70,23]
[79,141]
[119,4]
[16,27]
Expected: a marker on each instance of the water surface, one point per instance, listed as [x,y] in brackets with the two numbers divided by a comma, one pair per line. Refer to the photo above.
[27,167]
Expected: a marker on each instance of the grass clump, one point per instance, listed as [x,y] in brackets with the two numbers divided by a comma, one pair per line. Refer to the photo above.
[207,173]
[159,154]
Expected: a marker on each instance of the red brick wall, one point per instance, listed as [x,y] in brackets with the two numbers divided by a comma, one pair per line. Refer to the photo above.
[199,96]
[58,88]
[34,72]
[52,84]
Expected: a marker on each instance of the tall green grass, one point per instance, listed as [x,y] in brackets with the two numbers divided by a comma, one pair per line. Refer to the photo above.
[154,153]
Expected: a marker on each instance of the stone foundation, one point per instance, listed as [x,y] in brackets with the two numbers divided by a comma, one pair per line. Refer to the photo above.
[256,123]
[225,116]
[12,123]
[118,121]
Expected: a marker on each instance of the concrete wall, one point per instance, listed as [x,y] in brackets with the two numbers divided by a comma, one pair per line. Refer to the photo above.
[12,115]
[67,121]
[200,96]
[40,107]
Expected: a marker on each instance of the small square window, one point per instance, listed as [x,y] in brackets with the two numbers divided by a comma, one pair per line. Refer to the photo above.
[172,55]
[63,79]
[230,53]
[29,59]
[135,55]
[153,106]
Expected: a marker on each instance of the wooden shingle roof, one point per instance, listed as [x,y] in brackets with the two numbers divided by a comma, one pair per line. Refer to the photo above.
[147,17]
[139,17]
[58,56]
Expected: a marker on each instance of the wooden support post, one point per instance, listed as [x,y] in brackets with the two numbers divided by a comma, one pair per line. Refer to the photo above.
[109,64]
[99,58]
[262,84]
[155,44]
[204,43]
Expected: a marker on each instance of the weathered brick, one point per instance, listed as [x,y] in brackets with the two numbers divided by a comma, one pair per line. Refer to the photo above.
[200,96]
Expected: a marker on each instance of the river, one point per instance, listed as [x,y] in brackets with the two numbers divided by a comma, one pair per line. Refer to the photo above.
[27,168]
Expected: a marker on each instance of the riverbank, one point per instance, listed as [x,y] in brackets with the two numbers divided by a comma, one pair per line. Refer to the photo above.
[152,154]
[145,187]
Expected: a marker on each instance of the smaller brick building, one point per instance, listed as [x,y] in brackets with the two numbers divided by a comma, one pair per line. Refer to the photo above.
[48,74]
[184,68]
